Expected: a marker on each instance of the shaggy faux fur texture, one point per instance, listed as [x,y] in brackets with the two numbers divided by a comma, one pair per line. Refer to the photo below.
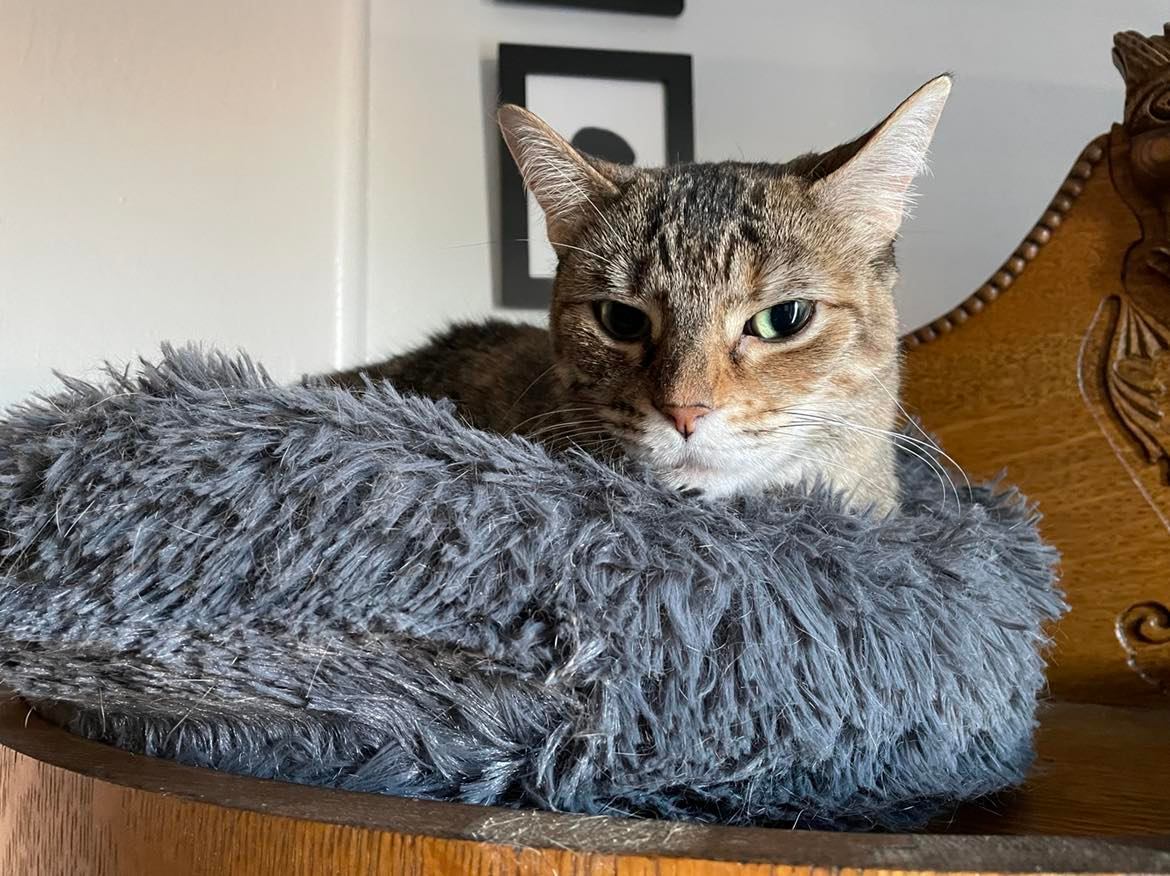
[297,583]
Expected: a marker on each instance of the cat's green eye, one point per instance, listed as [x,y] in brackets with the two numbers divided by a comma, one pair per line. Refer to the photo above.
[620,321]
[780,322]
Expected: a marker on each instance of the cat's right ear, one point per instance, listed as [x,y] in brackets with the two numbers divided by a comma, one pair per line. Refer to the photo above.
[565,184]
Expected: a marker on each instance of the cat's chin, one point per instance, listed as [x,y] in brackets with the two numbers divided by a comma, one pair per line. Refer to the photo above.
[711,482]
[713,475]
[718,485]
[718,464]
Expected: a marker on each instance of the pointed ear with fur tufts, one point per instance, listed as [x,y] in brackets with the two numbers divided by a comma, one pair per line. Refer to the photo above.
[565,183]
[872,189]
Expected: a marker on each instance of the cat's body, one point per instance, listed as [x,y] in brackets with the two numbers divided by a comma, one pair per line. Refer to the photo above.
[498,374]
[732,325]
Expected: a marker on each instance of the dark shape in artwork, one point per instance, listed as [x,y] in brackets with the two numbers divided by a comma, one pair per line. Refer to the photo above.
[604,144]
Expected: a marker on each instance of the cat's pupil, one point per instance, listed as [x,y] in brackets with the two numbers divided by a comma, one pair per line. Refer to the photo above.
[620,321]
[781,321]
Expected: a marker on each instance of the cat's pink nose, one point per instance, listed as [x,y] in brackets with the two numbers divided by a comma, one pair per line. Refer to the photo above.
[685,417]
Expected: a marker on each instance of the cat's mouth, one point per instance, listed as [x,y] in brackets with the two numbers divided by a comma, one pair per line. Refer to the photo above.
[718,460]
[707,470]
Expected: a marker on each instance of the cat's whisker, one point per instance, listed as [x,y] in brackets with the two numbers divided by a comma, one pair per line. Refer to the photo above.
[941,474]
[567,431]
[619,421]
[599,439]
[583,439]
[571,409]
[935,466]
[578,439]
[923,432]
[900,436]
[557,428]
[820,417]
[535,381]
[818,461]
[544,415]
[564,423]
[581,443]
[467,245]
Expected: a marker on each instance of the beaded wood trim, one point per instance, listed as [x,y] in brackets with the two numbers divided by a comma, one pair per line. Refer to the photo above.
[999,282]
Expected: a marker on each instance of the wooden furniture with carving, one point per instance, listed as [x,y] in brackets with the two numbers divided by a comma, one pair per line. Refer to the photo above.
[1057,370]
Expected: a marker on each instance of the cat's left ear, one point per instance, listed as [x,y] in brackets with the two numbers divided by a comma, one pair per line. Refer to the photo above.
[567,186]
[872,188]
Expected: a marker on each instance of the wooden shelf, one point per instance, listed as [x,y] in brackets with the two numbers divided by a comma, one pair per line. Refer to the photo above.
[71,806]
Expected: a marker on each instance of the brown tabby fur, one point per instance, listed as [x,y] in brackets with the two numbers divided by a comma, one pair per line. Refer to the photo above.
[700,248]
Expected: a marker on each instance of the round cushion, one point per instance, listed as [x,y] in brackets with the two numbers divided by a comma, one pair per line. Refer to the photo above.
[361,591]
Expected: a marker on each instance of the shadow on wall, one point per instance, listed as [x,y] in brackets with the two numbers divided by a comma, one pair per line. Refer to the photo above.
[493,153]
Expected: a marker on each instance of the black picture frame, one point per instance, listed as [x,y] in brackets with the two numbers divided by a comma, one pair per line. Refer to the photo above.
[671,8]
[520,289]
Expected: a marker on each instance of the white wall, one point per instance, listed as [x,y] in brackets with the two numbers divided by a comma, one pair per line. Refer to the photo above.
[198,169]
[174,169]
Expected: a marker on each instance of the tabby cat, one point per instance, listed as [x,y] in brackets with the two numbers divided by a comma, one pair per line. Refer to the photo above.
[731,325]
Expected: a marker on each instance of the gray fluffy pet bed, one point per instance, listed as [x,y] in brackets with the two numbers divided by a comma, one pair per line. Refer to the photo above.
[296,583]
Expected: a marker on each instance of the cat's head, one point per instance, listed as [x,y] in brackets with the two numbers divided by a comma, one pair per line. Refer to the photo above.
[731,324]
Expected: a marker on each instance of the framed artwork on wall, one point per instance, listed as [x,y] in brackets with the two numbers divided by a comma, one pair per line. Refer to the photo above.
[642,7]
[629,107]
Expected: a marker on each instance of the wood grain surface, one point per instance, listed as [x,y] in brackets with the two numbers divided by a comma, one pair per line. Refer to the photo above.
[73,806]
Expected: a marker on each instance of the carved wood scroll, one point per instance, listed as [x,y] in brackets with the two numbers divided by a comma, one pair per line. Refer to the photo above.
[1126,354]
[1144,632]
[1136,365]
[1138,361]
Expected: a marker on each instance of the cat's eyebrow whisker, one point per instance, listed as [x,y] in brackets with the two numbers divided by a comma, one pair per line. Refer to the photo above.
[599,256]
[596,255]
